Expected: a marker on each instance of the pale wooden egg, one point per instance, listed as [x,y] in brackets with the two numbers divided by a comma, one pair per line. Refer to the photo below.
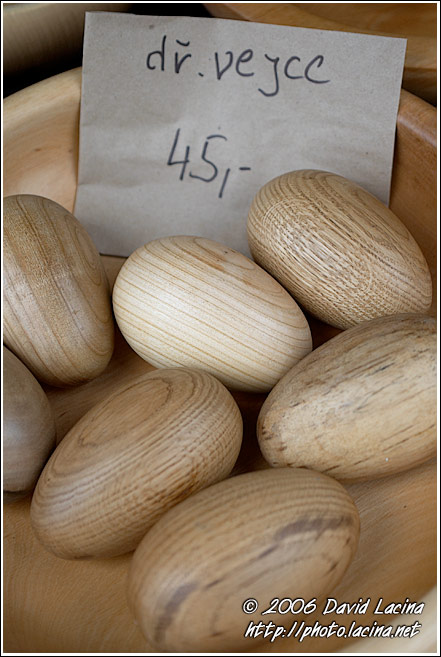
[28,428]
[146,447]
[274,533]
[57,310]
[189,301]
[337,249]
[362,405]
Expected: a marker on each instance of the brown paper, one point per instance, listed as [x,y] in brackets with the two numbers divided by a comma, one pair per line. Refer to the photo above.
[183,119]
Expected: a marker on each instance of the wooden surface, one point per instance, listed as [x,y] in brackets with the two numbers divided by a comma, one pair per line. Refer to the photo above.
[41,154]
[188,301]
[423,642]
[361,406]
[57,315]
[337,249]
[85,608]
[395,559]
[414,21]
[279,530]
[413,195]
[40,145]
[38,33]
[28,428]
[143,449]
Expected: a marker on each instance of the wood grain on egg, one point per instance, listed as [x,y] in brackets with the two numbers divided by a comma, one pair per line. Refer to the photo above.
[338,250]
[274,533]
[362,405]
[146,447]
[396,558]
[189,301]
[28,428]
[57,311]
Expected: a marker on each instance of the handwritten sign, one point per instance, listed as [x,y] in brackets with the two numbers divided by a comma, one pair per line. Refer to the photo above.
[183,119]
[243,58]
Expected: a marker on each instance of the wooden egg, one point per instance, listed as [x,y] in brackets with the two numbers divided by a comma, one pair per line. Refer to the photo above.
[143,449]
[339,251]
[188,301]
[262,535]
[28,428]
[362,405]
[57,310]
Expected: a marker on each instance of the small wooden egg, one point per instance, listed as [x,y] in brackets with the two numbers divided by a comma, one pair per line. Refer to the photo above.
[28,428]
[338,250]
[57,310]
[146,447]
[362,405]
[261,535]
[188,301]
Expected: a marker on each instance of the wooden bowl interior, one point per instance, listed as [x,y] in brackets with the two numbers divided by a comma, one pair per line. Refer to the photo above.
[41,126]
[414,21]
[38,33]
[63,606]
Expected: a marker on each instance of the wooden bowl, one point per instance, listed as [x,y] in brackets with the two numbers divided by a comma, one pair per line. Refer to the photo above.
[52,605]
[416,22]
[38,33]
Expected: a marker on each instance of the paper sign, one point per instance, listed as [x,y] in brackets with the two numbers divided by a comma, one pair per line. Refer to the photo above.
[184,119]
